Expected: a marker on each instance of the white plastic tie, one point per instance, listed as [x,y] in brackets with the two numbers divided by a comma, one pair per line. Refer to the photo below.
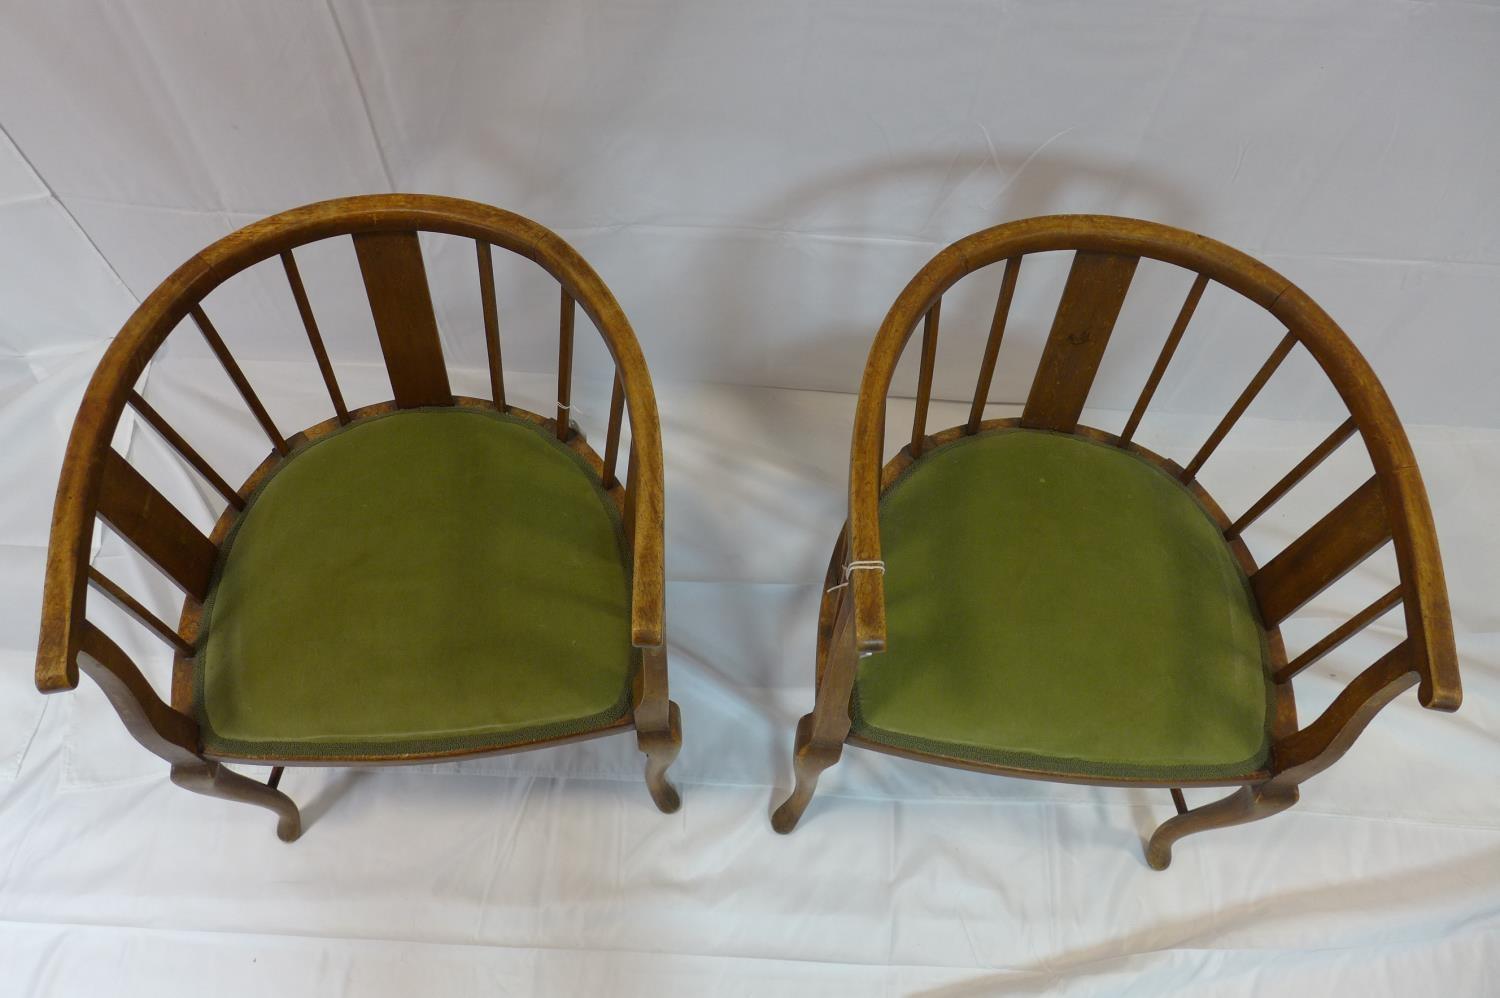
[858,566]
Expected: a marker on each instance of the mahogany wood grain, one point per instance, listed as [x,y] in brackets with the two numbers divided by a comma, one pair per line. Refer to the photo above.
[401,304]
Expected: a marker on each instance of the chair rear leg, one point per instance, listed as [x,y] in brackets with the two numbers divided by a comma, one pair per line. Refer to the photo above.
[1244,805]
[661,746]
[213,779]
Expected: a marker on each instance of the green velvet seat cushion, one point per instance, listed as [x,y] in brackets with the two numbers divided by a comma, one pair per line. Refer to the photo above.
[1061,605]
[429,580]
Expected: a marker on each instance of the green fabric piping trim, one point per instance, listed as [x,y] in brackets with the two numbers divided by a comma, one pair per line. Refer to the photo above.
[1060,765]
[213,744]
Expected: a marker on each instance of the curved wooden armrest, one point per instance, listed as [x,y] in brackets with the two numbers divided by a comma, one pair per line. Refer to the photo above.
[1323,742]
[866,586]
[167,733]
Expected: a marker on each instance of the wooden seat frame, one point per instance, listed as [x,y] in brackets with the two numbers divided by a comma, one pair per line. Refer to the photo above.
[97,481]
[1390,507]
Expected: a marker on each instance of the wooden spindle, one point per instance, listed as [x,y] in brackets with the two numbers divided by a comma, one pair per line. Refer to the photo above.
[1355,529]
[1304,467]
[231,368]
[310,323]
[631,487]
[192,457]
[154,527]
[491,324]
[924,376]
[1240,404]
[108,588]
[564,365]
[1339,635]
[1173,338]
[612,435]
[992,345]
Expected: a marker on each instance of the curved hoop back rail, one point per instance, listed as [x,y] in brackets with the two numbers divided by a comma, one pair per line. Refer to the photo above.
[1391,507]
[97,482]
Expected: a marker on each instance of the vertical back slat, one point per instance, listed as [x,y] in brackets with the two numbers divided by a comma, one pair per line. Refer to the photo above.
[401,305]
[1240,405]
[924,376]
[1091,300]
[1304,468]
[564,365]
[310,323]
[241,383]
[491,324]
[992,345]
[1184,316]
[612,435]
[154,527]
[1350,533]
[192,457]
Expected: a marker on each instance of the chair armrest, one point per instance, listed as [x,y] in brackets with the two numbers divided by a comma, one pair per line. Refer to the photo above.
[866,585]
[1314,748]
[168,733]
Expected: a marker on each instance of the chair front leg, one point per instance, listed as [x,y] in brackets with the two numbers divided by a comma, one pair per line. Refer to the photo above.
[1244,805]
[214,779]
[821,734]
[658,725]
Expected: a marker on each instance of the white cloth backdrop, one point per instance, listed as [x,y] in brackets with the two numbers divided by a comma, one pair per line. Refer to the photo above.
[755,182]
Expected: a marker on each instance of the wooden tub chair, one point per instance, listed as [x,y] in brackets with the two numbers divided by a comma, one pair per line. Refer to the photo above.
[429,578]
[1036,598]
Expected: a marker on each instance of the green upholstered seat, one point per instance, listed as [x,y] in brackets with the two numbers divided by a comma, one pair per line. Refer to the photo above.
[429,580]
[1061,605]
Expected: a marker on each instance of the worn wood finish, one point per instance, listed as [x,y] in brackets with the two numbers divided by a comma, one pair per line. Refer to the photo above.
[992,344]
[154,527]
[96,482]
[176,442]
[241,383]
[564,366]
[491,324]
[1091,302]
[1240,405]
[924,376]
[1320,453]
[1344,537]
[161,730]
[1394,505]
[1184,316]
[401,304]
[112,591]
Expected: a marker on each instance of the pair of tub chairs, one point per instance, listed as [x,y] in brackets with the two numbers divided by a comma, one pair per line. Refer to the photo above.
[439,576]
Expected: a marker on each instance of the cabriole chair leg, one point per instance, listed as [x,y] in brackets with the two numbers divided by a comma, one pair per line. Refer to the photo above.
[661,747]
[809,758]
[213,779]
[1244,805]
